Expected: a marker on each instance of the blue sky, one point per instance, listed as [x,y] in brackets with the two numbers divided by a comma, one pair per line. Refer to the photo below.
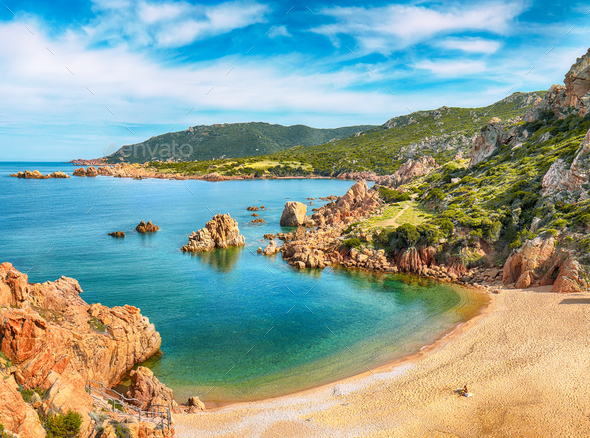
[78,76]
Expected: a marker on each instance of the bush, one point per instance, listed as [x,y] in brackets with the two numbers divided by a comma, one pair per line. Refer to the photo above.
[435,195]
[553,232]
[407,235]
[352,243]
[560,223]
[446,227]
[63,425]
[392,196]
[28,393]
[585,243]
[429,234]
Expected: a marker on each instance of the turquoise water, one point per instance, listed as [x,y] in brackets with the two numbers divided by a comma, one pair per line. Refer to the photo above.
[235,325]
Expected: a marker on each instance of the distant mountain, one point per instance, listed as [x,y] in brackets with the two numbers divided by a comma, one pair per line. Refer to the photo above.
[228,140]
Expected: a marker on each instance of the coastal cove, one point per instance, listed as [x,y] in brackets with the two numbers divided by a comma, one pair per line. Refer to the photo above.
[235,326]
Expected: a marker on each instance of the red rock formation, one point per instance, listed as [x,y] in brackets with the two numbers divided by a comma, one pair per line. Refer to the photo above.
[220,232]
[357,203]
[293,214]
[537,263]
[80,172]
[15,415]
[146,228]
[56,341]
[35,174]
[577,84]
[149,393]
[408,171]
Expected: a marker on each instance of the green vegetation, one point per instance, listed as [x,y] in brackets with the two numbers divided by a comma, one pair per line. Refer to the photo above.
[391,196]
[5,359]
[229,141]
[352,243]
[97,324]
[63,425]
[27,394]
[379,149]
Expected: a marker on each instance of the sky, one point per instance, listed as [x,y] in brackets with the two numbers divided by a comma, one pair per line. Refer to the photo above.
[79,76]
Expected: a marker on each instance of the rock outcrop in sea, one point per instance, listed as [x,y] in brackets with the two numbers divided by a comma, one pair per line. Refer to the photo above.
[144,228]
[35,174]
[55,341]
[220,232]
[293,214]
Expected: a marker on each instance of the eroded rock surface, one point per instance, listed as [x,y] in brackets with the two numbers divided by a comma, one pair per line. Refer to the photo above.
[56,341]
[409,170]
[220,232]
[293,214]
[490,138]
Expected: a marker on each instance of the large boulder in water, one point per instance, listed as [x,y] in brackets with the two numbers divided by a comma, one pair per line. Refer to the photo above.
[220,232]
[293,214]
[146,228]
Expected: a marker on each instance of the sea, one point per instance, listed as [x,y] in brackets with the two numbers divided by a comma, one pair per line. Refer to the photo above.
[235,325]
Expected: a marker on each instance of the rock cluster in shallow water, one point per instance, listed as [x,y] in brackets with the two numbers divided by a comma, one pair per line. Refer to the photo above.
[220,232]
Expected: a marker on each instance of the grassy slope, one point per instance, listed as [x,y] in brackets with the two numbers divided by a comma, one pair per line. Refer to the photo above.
[495,202]
[234,140]
[382,149]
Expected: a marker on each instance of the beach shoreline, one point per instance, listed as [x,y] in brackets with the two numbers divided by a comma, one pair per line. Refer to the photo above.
[486,305]
[500,354]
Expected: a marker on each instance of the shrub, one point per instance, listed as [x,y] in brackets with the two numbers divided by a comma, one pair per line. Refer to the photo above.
[407,235]
[429,234]
[553,232]
[446,226]
[585,243]
[560,223]
[63,425]
[435,195]
[28,393]
[391,196]
[352,243]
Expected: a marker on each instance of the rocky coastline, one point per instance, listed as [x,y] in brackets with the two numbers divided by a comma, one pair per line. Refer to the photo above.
[52,343]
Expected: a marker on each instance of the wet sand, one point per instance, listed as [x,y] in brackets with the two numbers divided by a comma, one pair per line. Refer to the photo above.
[527,363]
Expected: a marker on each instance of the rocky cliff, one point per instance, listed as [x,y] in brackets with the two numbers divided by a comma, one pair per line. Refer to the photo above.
[569,183]
[55,341]
[538,263]
[490,138]
[408,171]
[577,84]
[220,232]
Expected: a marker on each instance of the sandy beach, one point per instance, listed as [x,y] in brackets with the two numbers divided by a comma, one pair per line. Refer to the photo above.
[525,361]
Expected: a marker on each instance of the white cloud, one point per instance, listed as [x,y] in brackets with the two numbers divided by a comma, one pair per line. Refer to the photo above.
[471,45]
[389,28]
[169,24]
[279,31]
[452,68]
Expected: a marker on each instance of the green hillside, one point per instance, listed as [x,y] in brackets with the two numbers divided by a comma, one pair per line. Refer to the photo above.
[228,141]
[441,133]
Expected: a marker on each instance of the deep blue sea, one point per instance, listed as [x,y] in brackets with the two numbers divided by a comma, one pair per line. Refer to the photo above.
[235,325]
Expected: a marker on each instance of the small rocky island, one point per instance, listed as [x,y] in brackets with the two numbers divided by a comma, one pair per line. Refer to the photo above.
[144,228]
[220,232]
[35,174]
[117,234]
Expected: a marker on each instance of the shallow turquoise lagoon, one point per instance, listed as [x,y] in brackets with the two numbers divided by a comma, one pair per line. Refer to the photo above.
[235,325]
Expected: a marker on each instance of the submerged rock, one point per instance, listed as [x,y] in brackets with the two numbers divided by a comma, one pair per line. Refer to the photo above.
[220,232]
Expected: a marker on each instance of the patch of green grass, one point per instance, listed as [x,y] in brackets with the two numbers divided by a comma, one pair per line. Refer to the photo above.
[97,324]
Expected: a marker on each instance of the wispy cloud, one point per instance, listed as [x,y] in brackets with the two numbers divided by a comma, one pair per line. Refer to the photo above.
[452,68]
[471,45]
[389,28]
[169,24]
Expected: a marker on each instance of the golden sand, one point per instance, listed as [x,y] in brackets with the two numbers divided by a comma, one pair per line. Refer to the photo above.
[527,363]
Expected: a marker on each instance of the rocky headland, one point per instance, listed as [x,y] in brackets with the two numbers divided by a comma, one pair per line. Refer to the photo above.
[220,232]
[52,342]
